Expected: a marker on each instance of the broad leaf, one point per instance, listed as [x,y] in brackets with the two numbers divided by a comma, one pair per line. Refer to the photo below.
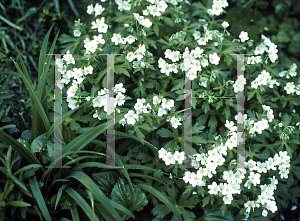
[133,201]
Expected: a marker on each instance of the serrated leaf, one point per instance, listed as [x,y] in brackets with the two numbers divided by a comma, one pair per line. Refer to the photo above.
[106,181]
[156,29]
[287,119]
[206,107]
[163,132]
[212,122]
[188,201]
[228,60]
[178,85]
[216,215]
[160,210]
[163,41]
[259,98]
[227,112]
[250,95]
[168,21]
[133,201]
[205,201]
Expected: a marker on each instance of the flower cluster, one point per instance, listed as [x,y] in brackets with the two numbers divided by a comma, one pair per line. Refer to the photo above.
[161,105]
[267,46]
[289,73]
[98,9]
[170,158]
[92,45]
[290,87]
[142,20]
[264,78]
[239,84]
[156,9]
[217,7]
[103,98]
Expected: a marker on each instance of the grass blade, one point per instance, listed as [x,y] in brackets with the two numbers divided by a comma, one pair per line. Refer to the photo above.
[82,203]
[39,198]
[161,197]
[73,8]
[26,153]
[56,4]
[99,195]
[11,24]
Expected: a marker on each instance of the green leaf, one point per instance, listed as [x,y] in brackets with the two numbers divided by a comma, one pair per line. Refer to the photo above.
[99,195]
[161,197]
[212,124]
[163,132]
[287,119]
[82,203]
[122,194]
[73,8]
[39,198]
[259,98]
[228,59]
[168,21]
[227,112]
[11,24]
[188,201]
[106,181]
[216,215]
[205,201]
[206,107]
[250,95]
[156,29]
[160,210]
[56,4]
[17,204]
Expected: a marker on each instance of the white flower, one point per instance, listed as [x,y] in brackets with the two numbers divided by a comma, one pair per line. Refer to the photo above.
[175,56]
[161,112]
[243,36]
[290,87]
[120,99]
[99,39]
[196,35]
[225,24]
[227,199]
[77,33]
[214,58]
[90,9]
[240,119]
[169,158]
[175,122]
[162,153]
[98,9]
[264,213]
[130,56]
[117,38]
[68,58]
[131,117]
[161,6]
[130,39]
[156,100]
[119,88]
[102,27]
[202,41]
[179,157]
[197,52]
[213,188]
[146,22]
[91,46]
[167,104]
[187,176]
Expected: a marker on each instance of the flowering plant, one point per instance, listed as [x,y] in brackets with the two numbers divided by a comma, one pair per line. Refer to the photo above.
[149,89]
